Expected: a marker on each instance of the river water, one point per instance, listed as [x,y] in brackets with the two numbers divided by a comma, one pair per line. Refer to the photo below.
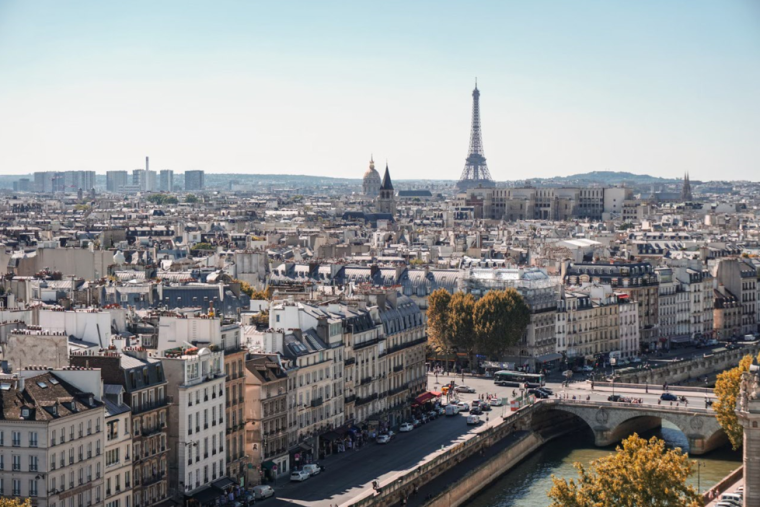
[526,485]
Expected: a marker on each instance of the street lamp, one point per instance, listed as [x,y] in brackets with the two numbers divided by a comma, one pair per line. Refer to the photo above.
[699,477]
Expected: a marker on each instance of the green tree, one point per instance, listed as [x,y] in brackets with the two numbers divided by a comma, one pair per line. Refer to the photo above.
[162,199]
[191,199]
[638,473]
[499,320]
[202,246]
[460,323]
[727,391]
[439,333]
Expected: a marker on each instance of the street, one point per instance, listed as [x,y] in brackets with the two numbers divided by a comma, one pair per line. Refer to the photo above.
[349,474]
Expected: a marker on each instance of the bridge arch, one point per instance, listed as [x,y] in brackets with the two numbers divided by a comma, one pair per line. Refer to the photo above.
[613,423]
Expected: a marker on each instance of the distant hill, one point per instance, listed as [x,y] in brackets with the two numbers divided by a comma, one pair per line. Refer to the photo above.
[608,177]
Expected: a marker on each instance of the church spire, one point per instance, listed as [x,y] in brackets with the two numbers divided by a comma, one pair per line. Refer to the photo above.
[387,184]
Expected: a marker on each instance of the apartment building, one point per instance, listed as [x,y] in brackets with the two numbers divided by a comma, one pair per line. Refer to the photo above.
[196,383]
[587,323]
[145,392]
[118,448]
[51,437]
[266,412]
[739,277]
[697,283]
[224,335]
[628,319]
[727,314]
[637,279]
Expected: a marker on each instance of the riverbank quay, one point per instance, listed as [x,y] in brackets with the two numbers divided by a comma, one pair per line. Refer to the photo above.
[733,480]
[401,487]
[712,362]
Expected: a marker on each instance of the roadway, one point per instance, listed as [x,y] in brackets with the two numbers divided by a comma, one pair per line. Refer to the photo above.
[350,474]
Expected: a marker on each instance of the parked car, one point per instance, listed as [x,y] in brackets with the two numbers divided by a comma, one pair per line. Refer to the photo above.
[452,409]
[463,407]
[668,397]
[473,420]
[476,411]
[262,491]
[545,389]
[406,427]
[614,397]
[416,423]
[538,394]
[441,410]
[495,402]
[433,414]
[312,469]
[464,389]
[299,475]
[485,406]
[383,439]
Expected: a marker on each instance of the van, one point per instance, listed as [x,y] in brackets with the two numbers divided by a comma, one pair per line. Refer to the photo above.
[452,409]
[749,338]
[311,469]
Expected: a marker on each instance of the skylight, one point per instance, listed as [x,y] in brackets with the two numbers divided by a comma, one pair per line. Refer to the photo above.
[42,385]
[54,381]
[5,387]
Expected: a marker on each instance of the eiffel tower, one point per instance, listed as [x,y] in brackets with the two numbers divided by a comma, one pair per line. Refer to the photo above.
[475,173]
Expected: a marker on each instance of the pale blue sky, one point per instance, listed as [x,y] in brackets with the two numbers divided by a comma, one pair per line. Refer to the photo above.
[314,87]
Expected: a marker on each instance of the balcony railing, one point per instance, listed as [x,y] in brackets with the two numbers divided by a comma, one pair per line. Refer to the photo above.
[366,399]
[152,479]
[398,368]
[350,398]
[350,361]
[366,380]
[145,407]
[398,389]
[315,402]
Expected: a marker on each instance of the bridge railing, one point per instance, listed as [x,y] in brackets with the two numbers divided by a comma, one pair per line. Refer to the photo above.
[654,387]
[620,404]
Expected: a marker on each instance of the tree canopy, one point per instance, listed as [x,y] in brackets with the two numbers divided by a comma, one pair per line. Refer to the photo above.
[487,326]
[162,199]
[438,330]
[191,199]
[254,294]
[639,473]
[727,391]
[500,319]
[460,324]
[14,502]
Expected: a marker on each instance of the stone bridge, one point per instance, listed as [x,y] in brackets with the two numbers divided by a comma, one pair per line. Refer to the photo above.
[612,422]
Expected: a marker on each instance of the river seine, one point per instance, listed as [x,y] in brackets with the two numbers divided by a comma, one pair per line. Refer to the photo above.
[527,484]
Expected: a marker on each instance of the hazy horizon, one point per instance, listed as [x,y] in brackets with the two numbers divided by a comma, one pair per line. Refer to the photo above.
[314,88]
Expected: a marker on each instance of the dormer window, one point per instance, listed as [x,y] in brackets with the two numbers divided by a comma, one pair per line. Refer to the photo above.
[24,412]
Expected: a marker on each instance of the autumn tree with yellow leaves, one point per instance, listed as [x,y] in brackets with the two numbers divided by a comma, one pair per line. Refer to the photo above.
[14,502]
[639,473]
[727,391]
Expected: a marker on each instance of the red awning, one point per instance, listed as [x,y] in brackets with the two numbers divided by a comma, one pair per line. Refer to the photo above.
[424,397]
[436,394]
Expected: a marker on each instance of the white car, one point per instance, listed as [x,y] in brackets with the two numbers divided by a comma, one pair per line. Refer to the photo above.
[383,439]
[464,389]
[406,427]
[463,407]
[312,469]
[473,420]
[298,475]
[495,402]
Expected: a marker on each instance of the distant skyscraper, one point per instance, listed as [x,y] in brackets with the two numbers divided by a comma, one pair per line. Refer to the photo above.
[166,180]
[194,180]
[475,173]
[371,182]
[686,189]
[115,180]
